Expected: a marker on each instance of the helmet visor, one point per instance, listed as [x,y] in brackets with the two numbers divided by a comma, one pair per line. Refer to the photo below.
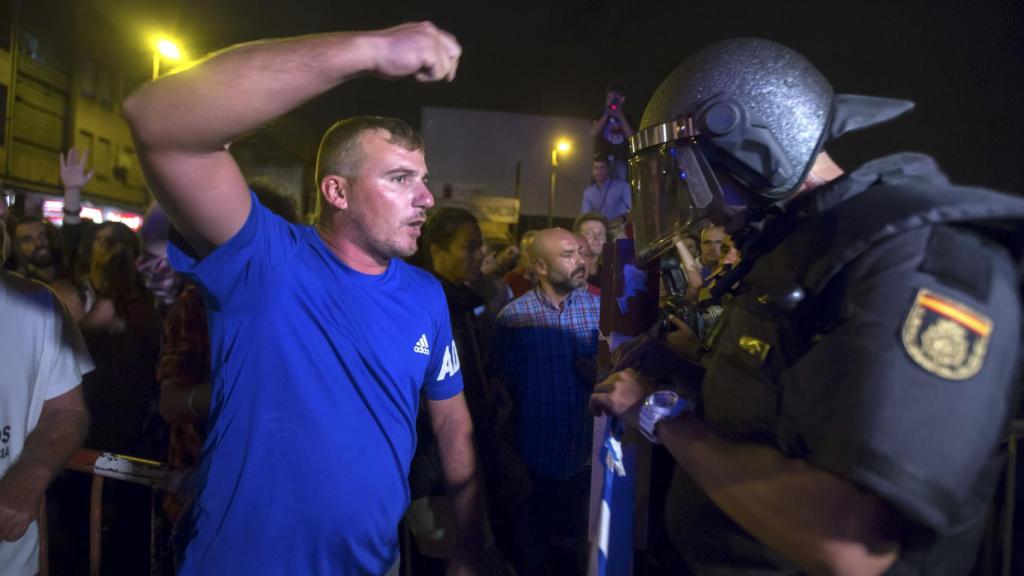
[674,190]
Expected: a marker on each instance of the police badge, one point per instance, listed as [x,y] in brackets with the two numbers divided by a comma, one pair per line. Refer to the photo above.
[946,337]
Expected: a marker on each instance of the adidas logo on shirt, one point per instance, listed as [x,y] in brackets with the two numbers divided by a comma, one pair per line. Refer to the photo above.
[422,346]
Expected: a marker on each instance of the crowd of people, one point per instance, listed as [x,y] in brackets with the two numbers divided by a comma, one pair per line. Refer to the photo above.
[390,365]
[150,392]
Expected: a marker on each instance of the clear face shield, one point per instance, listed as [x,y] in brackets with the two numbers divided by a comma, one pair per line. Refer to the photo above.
[675,188]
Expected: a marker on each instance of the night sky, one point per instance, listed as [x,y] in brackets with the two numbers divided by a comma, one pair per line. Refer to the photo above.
[960,61]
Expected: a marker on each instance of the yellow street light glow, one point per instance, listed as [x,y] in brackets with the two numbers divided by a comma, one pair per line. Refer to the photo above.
[564,145]
[168,49]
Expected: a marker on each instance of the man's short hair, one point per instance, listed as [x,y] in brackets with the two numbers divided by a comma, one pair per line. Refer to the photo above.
[616,87]
[603,158]
[588,217]
[341,152]
[705,230]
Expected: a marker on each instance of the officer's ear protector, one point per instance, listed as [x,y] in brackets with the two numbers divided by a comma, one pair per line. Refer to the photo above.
[735,140]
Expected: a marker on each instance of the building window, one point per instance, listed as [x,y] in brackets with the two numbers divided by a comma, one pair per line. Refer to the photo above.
[44,36]
[83,141]
[5,24]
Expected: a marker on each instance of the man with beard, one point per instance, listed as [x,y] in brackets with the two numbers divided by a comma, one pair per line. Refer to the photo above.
[541,341]
[40,256]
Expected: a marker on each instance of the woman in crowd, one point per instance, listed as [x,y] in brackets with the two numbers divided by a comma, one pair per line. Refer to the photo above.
[122,330]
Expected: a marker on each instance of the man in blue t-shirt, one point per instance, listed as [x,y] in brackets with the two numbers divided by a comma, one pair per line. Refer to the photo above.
[321,338]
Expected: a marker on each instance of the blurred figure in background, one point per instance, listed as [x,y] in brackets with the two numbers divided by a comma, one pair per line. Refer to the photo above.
[593,228]
[606,194]
[450,248]
[499,259]
[520,279]
[611,132]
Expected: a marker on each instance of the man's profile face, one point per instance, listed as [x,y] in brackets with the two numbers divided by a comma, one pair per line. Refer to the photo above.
[34,244]
[600,171]
[388,200]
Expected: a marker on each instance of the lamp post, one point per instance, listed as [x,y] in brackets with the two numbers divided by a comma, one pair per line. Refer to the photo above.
[564,146]
[166,49]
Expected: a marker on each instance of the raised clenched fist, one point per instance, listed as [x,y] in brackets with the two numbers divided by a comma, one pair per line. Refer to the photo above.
[416,49]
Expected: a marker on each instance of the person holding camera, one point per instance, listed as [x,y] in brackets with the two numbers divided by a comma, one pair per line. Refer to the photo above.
[611,132]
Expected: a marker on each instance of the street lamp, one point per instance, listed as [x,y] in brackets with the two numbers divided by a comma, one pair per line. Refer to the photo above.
[564,145]
[166,49]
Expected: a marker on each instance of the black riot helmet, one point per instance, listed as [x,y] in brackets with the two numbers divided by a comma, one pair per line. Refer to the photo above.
[744,115]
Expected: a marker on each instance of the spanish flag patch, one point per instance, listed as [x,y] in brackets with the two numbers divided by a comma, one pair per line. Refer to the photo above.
[945,337]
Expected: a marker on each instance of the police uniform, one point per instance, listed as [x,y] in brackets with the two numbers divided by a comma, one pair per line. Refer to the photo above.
[877,338]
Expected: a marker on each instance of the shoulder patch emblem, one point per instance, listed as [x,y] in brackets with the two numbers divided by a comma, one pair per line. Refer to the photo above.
[757,348]
[945,337]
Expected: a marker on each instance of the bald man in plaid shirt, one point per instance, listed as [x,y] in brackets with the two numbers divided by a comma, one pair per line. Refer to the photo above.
[541,340]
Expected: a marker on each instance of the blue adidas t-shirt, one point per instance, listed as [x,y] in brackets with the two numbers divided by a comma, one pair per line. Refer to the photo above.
[317,371]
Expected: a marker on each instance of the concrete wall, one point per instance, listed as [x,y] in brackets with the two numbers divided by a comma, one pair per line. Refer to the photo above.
[475,152]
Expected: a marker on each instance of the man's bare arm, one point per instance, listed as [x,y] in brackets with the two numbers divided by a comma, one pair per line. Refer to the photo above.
[453,430]
[818,521]
[62,427]
[182,122]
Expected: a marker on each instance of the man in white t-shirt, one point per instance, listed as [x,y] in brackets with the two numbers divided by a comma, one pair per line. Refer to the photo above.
[43,418]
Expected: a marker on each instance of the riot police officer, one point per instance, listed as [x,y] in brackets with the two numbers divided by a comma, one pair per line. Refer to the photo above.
[856,391]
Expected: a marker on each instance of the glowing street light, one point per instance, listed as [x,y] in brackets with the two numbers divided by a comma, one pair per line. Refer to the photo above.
[168,49]
[563,145]
[164,49]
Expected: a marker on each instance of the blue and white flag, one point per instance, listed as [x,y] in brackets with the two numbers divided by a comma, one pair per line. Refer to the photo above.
[612,535]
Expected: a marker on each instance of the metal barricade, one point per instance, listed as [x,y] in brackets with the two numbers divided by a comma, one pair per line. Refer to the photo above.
[103,465]
[160,476]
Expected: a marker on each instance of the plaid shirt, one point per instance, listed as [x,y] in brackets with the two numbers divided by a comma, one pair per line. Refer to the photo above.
[536,350]
[185,359]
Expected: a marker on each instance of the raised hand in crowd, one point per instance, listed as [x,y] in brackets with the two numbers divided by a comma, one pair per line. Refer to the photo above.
[73,177]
